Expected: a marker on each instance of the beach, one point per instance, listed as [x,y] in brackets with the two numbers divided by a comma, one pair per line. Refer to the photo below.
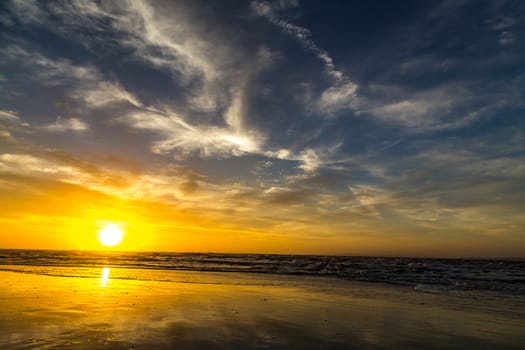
[118,308]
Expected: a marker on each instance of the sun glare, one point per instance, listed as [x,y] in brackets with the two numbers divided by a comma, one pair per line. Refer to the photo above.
[105,277]
[110,235]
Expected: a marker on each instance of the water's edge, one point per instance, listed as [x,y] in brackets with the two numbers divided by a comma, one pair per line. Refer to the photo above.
[423,274]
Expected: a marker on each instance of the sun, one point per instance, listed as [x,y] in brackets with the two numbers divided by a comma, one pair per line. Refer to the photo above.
[110,235]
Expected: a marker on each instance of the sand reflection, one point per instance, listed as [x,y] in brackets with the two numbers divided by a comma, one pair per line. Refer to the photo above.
[149,309]
[104,277]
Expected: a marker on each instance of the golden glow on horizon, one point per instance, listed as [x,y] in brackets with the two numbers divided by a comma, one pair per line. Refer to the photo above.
[70,217]
[110,234]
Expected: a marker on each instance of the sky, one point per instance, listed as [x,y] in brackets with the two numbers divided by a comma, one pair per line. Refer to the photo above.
[390,128]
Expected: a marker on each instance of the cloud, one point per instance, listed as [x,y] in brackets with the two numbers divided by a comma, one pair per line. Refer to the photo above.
[200,61]
[223,82]
[342,94]
[286,196]
[104,93]
[444,184]
[67,124]
[6,137]
[29,164]
[28,11]
[9,115]
[212,75]
[182,139]
[50,72]
[505,27]
[215,74]
[443,107]
[85,84]
[337,98]
[164,185]
[10,124]
[301,34]
[507,38]
[310,159]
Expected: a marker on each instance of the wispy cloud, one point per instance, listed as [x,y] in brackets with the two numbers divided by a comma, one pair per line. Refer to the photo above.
[445,106]
[342,94]
[214,79]
[67,124]
[310,159]
[52,165]
[181,49]
[10,124]
[181,139]
[9,115]
[302,35]
[338,97]
[86,83]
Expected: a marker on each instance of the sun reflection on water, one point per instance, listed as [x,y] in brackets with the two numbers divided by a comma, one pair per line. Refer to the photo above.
[105,277]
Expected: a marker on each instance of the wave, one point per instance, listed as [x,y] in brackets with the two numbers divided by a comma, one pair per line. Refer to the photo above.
[425,275]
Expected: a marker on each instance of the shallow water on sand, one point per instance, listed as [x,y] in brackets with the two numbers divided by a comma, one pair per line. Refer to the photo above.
[115,308]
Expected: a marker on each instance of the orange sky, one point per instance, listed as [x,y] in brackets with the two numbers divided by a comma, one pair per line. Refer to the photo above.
[51,214]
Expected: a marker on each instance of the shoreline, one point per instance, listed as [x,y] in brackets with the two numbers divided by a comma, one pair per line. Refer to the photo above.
[143,309]
[502,276]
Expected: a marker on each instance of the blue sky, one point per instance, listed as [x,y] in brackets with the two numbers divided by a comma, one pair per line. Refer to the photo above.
[347,127]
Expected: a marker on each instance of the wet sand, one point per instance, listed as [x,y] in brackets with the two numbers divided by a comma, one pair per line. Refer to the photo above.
[140,309]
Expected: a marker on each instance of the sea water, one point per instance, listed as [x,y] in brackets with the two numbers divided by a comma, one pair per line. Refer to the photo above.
[425,275]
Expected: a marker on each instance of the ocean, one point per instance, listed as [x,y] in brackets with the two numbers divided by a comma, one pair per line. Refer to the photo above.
[425,275]
[114,300]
